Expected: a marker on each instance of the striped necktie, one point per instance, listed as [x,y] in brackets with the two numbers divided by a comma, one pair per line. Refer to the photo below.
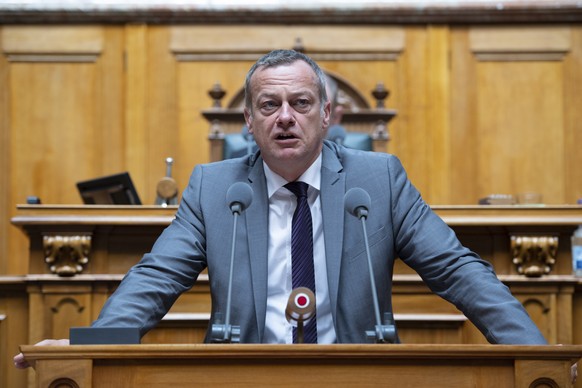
[303,274]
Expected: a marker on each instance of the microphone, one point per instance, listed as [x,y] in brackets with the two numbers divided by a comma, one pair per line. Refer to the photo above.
[300,309]
[238,198]
[357,202]
[337,134]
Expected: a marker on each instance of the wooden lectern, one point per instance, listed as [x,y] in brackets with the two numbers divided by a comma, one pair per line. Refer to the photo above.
[207,365]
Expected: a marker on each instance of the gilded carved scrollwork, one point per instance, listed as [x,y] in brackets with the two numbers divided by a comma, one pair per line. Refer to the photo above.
[534,256]
[67,255]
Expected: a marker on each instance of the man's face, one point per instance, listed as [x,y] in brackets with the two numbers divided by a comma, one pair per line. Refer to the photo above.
[287,120]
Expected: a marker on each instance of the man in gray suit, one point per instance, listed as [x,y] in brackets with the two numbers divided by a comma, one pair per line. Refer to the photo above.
[287,111]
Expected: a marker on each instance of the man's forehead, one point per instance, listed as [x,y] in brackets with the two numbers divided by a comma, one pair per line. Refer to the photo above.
[297,69]
[288,76]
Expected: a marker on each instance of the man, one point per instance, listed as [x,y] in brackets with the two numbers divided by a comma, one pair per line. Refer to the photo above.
[287,111]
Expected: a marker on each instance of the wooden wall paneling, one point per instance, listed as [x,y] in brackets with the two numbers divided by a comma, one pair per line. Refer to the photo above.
[551,304]
[136,76]
[518,131]
[565,314]
[542,309]
[65,101]
[49,130]
[410,99]
[162,114]
[573,118]
[438,112]
[521,145]
[483,57]
[577,315]
[110,138]
[13,329]
[464,142]
[422,140]
[54,308]
[5,173]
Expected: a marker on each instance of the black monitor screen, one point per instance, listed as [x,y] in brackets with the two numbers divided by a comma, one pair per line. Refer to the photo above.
[115,189]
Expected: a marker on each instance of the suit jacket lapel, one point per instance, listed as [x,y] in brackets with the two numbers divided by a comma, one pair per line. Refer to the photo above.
[257,218]
[332,205]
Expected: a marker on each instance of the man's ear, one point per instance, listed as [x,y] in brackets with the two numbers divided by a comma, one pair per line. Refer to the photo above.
[326,115]
[248,119]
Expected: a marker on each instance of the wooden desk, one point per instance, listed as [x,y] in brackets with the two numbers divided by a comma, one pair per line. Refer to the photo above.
[120,235]
[303,365]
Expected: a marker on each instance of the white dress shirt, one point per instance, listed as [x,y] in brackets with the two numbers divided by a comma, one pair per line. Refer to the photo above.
[282,204]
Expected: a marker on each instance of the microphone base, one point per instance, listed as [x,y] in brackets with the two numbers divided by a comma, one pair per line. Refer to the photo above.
[225,334]
[383,334]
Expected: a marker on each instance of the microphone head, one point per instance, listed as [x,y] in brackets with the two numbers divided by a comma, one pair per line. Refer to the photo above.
[239,197]
[300,306]
[336,133]
[357,202]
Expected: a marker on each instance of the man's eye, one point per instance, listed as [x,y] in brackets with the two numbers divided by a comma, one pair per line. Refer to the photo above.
[268,105]
[302,104]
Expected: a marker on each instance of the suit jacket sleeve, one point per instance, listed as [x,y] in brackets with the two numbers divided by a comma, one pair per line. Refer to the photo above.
[428,245]
[151,287]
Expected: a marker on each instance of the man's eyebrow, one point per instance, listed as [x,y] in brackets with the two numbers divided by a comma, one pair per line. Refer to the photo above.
[308,93]
[266,95]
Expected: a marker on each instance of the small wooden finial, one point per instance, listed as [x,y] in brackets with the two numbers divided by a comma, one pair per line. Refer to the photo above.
[217,93]
[380,93]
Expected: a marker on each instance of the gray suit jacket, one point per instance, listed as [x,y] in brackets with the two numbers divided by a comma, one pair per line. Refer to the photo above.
[400,225]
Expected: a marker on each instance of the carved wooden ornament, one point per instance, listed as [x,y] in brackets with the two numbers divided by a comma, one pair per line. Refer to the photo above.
[67,255]
[534,256]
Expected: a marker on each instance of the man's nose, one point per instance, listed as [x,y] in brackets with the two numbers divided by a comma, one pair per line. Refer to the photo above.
[286,118]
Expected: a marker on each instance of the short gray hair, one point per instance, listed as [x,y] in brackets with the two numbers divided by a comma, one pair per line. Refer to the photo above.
[285,57]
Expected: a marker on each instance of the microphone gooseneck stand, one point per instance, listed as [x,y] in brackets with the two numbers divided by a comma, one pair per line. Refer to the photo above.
[357,203]
[239,196]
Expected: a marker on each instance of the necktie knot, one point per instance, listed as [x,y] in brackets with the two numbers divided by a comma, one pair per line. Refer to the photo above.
[298,188]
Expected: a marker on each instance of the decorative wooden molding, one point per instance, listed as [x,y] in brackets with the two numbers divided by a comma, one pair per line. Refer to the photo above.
[368,12]
[534,256]
[322,43]
[67,255]
[225,57]
[53,58]
[52,44]
[67,301]
[520,43]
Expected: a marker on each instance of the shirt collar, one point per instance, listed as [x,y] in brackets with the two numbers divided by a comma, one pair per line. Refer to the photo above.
[312,177]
